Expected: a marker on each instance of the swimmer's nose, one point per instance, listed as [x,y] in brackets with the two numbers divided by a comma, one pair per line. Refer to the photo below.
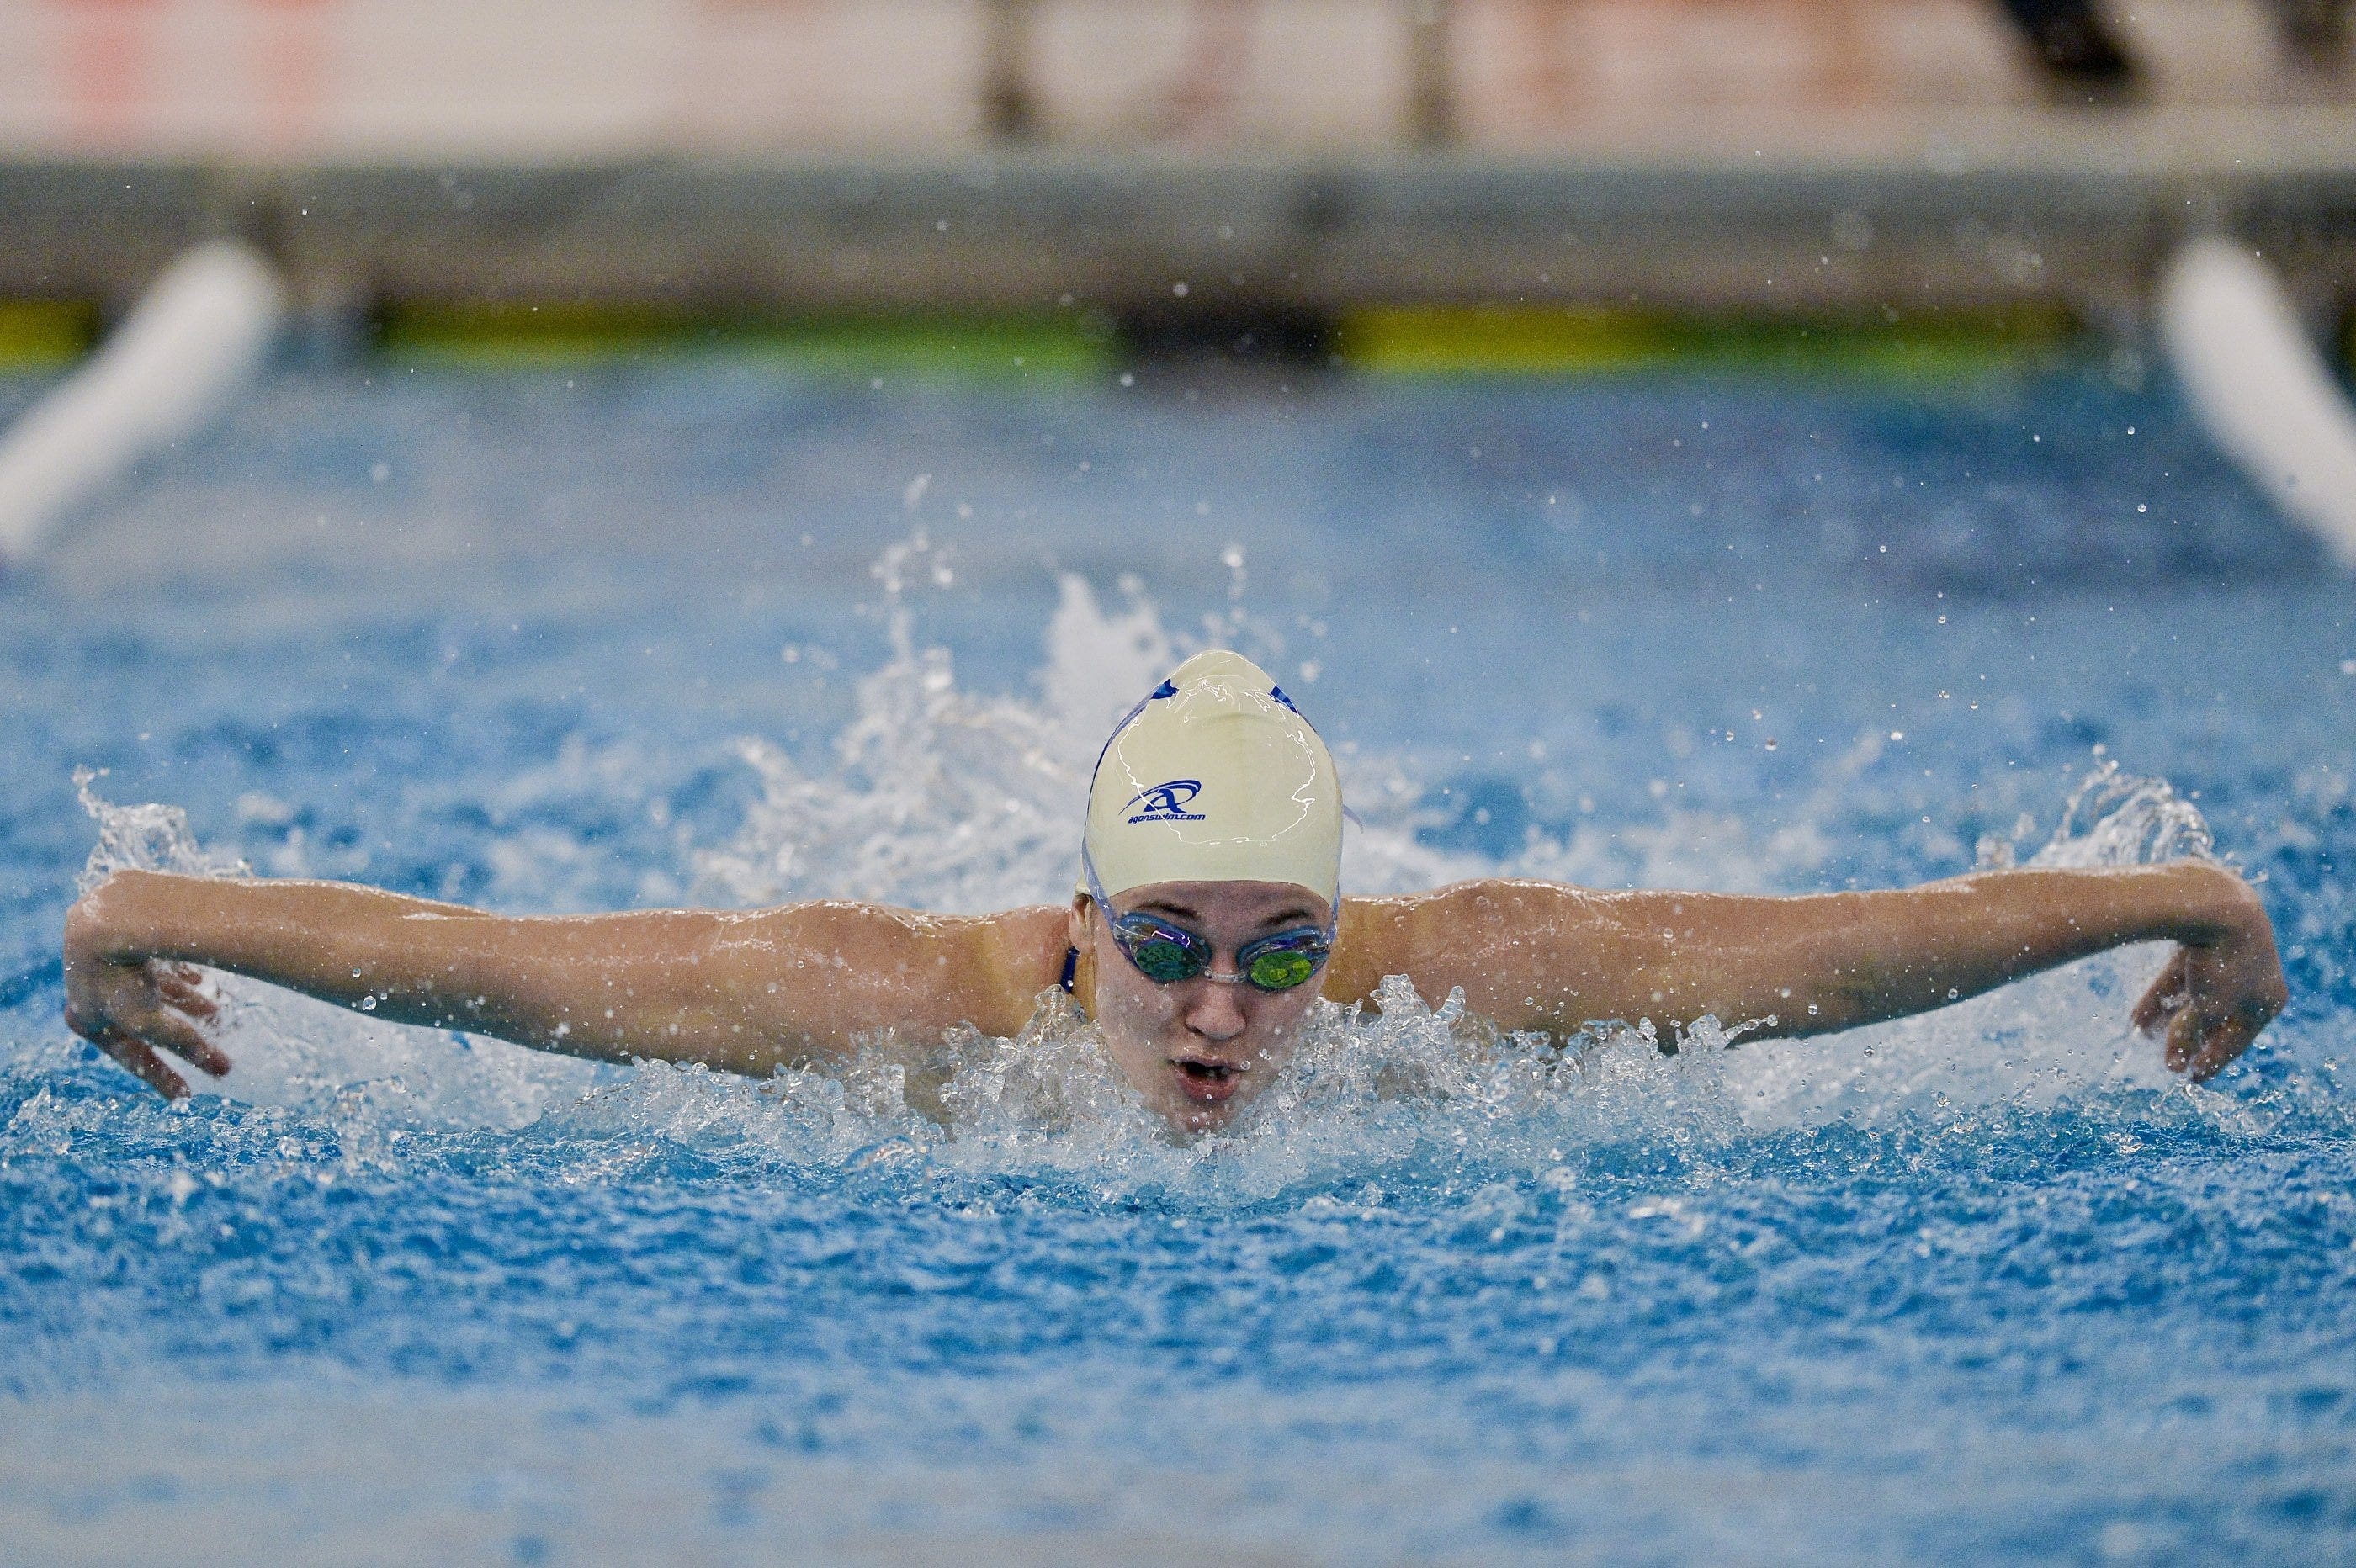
[1217,1014]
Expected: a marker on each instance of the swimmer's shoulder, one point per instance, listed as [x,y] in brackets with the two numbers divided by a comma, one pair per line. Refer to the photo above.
[1381,936]
[1017,953]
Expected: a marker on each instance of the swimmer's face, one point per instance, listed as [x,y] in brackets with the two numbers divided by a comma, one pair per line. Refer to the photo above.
[1198,1050]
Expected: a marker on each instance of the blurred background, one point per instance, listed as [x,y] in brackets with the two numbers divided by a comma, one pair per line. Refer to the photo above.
[1306,178]
[579,455]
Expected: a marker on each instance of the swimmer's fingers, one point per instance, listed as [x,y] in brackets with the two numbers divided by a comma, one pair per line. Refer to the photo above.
[2233,989]
[187,1041]
[2163,996]
[177,1014]
[140,1060]
[136,1015]
[178,985]
[2204,1037]
[2225,1041]
[2182,1040]
[2202,1043]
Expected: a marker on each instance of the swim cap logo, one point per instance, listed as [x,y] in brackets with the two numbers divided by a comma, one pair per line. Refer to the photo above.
[1166,802]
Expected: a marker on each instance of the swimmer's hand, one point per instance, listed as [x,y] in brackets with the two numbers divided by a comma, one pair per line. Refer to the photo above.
[130,1007]
[2223,985]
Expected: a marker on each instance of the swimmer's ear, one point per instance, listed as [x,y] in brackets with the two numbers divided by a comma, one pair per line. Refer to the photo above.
[1076,921]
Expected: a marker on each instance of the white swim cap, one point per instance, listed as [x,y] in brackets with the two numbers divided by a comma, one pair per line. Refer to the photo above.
[1216,777]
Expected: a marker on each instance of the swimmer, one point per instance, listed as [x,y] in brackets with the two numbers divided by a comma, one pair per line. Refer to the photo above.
[1208,919]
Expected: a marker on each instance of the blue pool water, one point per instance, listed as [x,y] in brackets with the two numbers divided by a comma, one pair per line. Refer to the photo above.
[1981,1285]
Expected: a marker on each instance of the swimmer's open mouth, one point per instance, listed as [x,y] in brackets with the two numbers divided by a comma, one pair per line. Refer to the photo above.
[1207,1078]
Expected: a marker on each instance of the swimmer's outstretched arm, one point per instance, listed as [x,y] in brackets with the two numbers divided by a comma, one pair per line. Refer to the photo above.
[1541,955]
[745,991]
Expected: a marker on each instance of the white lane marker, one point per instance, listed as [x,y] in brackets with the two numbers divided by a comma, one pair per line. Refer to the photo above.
[171,368]
[2261,385]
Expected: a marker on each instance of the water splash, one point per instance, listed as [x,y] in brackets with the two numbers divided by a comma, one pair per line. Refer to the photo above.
[939,797]
[2113,818]
[150,838]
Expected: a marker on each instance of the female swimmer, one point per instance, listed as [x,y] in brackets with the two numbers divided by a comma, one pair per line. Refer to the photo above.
[1209,901]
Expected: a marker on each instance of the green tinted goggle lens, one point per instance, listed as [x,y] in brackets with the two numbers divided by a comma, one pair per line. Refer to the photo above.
[1281,970]
[1165,962]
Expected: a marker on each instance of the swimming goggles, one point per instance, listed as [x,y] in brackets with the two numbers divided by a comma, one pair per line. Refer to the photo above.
[1166,954]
